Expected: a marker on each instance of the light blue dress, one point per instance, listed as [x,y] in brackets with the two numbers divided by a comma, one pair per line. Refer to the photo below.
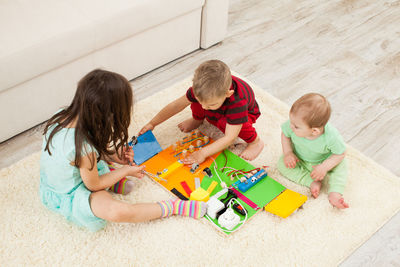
[61,187]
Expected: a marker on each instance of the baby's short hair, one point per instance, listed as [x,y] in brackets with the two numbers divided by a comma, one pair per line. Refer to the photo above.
[211,79]
[315,107]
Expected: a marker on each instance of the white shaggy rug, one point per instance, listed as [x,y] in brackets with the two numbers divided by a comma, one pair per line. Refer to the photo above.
[317,235]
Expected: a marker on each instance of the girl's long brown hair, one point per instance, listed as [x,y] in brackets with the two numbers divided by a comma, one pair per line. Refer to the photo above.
[102,106]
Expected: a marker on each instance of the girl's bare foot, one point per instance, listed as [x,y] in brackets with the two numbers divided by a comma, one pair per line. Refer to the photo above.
[315,188]
[253,149]
[336,199]
[189,124]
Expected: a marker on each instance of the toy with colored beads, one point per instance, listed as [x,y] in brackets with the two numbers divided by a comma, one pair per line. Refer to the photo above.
[190,143]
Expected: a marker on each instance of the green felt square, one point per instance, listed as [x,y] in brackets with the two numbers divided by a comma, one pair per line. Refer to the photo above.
[261,193]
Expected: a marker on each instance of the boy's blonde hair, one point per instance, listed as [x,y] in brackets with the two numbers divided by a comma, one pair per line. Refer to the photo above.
[315,108]
[211,79]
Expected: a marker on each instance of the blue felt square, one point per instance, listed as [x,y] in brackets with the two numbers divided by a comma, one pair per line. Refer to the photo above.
[146,147]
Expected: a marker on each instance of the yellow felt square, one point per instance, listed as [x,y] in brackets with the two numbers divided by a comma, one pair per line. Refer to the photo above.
[286,203]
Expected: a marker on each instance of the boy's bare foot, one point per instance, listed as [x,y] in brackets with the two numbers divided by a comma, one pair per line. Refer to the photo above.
[253,149]
[189,124]
[336,199]
[315,188]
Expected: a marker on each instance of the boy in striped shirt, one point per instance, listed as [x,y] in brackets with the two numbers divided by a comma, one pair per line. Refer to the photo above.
[223,100]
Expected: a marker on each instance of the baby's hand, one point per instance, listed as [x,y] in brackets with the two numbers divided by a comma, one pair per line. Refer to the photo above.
[147,127]
[136,171]
[319,172]
[196,157]
[290,160]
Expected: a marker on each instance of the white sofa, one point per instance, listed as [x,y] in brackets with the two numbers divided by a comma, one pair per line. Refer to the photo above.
[46,46]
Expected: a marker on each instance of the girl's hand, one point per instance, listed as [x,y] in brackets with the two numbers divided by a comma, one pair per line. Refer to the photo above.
[135,171]
[290,160]
[127,156]
[319,172]
[147,127]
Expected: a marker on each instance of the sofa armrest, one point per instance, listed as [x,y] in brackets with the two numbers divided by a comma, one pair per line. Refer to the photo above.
[214,22]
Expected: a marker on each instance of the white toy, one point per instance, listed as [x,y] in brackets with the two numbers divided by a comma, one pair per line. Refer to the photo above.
[229,219]
[214,205]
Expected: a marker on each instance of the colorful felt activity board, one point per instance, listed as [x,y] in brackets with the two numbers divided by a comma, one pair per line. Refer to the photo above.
[233,188]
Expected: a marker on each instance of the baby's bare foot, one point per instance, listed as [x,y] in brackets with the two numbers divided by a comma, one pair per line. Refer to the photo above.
[253,149]
[336,199]
[315,188]
[189,124]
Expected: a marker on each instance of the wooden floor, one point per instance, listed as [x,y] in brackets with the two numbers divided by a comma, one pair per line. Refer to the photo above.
[347,50]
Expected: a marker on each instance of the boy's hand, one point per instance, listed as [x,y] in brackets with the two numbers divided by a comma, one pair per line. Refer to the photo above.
[319,172]
[290,160]
[147,127]
[135,171]
[195,157]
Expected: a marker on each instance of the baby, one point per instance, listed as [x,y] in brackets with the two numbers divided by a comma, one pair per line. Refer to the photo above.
[312,148]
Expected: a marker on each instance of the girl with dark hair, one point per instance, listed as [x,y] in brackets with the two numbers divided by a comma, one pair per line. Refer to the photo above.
[78,140]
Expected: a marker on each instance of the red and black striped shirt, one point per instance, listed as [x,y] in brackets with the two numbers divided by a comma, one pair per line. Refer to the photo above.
[237,108]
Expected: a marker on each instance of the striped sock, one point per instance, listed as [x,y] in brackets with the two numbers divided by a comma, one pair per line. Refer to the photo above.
[124,186]
[191,208]
[167,207]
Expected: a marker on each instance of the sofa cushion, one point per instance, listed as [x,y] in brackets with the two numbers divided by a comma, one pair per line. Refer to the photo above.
[41,35]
